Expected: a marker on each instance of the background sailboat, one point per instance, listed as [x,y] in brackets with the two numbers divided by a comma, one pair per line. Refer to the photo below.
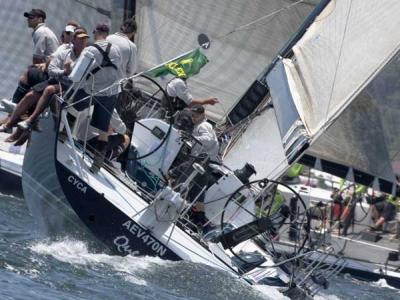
[333,91]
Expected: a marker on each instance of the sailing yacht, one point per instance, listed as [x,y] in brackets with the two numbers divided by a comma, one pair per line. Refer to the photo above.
[300,102]
[140,213]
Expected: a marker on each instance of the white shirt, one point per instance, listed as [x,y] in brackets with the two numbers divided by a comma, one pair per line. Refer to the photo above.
[178,88]
[45,42]
[128,53]
[205,134]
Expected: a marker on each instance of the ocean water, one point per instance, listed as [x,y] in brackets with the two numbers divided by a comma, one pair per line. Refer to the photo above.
[32,266]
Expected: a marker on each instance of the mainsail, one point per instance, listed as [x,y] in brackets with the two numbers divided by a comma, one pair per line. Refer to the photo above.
[338,80]
[245,36]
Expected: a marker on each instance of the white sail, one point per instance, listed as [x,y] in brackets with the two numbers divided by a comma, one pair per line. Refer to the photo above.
[338,83]
[366,134]
[340,53]
[333,68]
[245,36]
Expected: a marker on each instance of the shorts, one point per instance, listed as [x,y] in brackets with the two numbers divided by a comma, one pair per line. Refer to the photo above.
[102,113]
[380,206]
[40,87]
[103,108]
[80,94]
[35,76]
[389,212]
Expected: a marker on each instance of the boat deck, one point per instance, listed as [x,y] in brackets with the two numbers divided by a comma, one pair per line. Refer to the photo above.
[355,246]
[11,157]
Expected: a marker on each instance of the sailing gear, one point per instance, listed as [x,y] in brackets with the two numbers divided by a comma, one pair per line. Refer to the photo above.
[106,60]
[245,173]
[101,82]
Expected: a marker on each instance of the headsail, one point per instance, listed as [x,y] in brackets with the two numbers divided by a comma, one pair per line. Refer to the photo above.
[245,36]
[329,75]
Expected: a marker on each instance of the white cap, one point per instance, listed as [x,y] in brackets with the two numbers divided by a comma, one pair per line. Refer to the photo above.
[69,28]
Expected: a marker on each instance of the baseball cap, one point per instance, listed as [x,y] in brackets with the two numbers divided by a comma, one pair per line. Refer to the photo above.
[69,28]
[35,12]
[197,108]
[101,27]
[80,33]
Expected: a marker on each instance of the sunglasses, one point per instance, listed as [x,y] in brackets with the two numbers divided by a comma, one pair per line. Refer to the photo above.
[31,17]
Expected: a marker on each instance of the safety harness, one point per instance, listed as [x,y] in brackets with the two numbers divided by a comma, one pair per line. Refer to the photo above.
[106,60]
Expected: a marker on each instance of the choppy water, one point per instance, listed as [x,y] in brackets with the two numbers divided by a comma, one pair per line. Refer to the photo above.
[34,267]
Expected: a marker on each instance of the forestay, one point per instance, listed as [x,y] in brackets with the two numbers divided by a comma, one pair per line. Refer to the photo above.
[245,36]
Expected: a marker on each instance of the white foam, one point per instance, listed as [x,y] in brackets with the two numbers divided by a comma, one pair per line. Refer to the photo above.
[382,283]
[10,268]
[76,252]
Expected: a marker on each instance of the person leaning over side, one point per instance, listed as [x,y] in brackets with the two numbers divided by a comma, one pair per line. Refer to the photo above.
[59,68]
[44,44]
[180,96]
[34,76]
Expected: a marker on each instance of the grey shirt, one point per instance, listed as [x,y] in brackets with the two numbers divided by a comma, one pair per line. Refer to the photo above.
[61,48]
[56,66]
[128,52]
[106,78]
[45,42]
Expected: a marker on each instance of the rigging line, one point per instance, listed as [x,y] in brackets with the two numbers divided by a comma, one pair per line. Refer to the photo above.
[237,29]
[240,28]
[339,60]
[388,164]
[99,9]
